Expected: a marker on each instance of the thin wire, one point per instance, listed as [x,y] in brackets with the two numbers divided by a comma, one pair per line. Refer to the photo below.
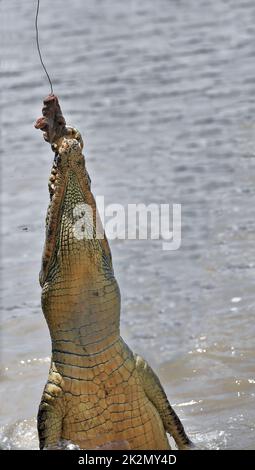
[38,45]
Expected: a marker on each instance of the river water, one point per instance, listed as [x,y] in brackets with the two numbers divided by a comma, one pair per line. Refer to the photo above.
[164,93]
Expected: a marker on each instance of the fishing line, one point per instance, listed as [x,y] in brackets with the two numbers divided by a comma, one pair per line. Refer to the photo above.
[38,45]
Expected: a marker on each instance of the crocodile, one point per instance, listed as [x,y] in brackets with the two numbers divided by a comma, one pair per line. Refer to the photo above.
[99,394]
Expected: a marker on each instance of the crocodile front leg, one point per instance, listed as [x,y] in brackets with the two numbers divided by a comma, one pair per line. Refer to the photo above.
[51,411]
[155,392]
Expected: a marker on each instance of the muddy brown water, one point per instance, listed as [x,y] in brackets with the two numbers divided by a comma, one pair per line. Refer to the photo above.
[164,93]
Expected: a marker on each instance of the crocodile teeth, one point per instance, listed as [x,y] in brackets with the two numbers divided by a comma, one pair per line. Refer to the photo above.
[51,188]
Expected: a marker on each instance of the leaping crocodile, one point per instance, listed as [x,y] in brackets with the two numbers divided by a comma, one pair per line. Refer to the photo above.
[99,394]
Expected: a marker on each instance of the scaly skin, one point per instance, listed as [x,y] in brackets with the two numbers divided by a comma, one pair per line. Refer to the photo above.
[99,394]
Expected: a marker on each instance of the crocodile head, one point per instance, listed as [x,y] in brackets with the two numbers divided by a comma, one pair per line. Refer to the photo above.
[73,227]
